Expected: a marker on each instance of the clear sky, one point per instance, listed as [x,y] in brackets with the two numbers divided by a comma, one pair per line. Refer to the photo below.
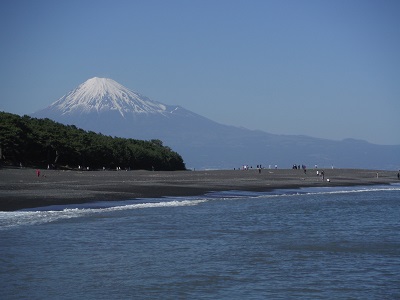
[328,69]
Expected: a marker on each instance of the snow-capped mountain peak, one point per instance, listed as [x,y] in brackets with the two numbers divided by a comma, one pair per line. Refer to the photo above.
[102,95]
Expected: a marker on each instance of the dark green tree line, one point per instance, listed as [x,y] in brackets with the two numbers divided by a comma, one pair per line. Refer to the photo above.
[43,142]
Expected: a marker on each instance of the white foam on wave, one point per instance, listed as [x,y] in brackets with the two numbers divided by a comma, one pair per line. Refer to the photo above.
[356,190]
[20,218]
[329,190]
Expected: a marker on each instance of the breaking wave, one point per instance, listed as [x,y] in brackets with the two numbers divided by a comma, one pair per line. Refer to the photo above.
[27,217]
[55,213]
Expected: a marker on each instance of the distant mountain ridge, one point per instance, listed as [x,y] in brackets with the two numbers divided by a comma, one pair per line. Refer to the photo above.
[103,105]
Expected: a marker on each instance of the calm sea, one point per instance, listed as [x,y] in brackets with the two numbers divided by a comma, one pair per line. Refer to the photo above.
[325,243]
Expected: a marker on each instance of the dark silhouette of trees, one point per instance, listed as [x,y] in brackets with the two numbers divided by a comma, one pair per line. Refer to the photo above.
[43,142]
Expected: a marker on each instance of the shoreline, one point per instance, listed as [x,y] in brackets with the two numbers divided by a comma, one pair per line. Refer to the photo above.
[22,188]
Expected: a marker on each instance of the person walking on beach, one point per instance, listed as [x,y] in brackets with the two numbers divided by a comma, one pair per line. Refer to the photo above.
[38,173]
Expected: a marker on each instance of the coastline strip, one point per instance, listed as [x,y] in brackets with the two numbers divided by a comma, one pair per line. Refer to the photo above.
[22,188]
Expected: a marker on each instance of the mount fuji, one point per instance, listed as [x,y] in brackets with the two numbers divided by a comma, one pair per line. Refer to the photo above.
[102,98]
[105,106]
[102,95]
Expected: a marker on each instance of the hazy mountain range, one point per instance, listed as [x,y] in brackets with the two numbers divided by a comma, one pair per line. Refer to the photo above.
[103,105]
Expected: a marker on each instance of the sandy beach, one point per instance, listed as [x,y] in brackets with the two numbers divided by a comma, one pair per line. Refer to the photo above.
[22,188]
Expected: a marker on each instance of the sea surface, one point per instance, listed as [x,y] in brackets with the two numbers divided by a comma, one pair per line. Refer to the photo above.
[313,243]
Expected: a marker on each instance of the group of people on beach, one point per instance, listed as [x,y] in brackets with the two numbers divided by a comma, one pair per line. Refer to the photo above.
[297,167]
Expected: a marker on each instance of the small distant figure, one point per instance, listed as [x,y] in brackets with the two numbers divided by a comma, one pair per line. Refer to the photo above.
[323,175]
[276,167]
[377,175]
[398,175]
[304,168]
[20,165]
[38,173]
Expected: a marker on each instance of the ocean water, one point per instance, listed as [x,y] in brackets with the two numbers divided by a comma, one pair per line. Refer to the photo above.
[314,243]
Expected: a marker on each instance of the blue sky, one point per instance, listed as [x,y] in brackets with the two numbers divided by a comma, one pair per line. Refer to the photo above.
[328,69]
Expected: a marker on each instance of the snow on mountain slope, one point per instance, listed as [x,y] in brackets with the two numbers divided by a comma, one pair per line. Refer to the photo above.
[103,94]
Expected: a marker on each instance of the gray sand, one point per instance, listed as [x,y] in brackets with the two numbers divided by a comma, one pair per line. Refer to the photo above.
[21,188]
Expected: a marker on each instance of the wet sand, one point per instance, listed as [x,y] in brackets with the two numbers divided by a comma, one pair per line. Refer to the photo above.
[22,188]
